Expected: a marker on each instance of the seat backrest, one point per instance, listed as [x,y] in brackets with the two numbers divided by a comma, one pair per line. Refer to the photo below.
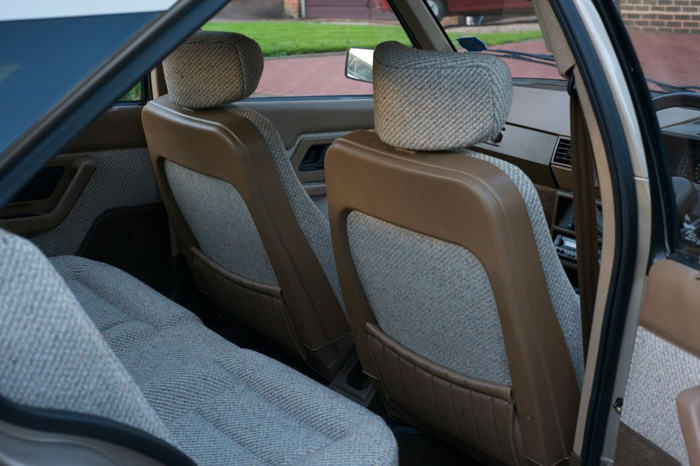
[460,307]
[252,236]
[57,373]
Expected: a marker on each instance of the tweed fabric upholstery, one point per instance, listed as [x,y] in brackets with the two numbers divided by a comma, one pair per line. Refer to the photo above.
[565,300]
[431,296]
[322,204]
[223,404]
[124,178]
[312,221]
[475,95]
[399,271]
[51,354]
[212,69]
[220,220]
[660,371]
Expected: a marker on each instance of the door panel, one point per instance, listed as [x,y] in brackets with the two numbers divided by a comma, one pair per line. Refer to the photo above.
[665,364]
[111,155]
[46,201]
[296,117]
[123,178]
[105,205]
[309,126]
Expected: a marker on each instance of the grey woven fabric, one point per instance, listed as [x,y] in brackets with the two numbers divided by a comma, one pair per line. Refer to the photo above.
[220,220]
[313,223]
[432,296]
[212,69]
[51,354]
[223,404]
[123,178]
[565,300]
[474,98]
[660,371]
[322,204]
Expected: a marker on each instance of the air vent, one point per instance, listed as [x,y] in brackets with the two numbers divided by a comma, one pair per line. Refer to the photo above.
[562,155]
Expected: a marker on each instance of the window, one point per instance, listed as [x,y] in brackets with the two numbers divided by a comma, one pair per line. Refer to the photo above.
[509,30]
[306,57]
[135,94]
[666,37]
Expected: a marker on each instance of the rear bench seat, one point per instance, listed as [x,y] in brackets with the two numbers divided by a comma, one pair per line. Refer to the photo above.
[182,382]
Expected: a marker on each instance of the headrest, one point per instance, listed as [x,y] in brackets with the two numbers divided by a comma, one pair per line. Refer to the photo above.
[430,101]
[213,69]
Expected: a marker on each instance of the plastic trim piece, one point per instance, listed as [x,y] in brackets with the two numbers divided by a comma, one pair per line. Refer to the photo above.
[94,427]
[626,216]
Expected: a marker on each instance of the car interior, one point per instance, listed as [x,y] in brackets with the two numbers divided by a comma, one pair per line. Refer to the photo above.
[335,280]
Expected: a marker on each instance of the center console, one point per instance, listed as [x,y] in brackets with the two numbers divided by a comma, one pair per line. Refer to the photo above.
[563,230]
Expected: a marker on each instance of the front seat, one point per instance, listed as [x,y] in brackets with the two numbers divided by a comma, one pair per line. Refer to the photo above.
[253,238]
[462,314]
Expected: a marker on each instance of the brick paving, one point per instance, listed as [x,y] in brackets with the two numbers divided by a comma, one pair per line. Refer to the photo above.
[674,58]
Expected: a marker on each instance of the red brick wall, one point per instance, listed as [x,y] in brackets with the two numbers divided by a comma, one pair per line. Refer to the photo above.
[292,8]
[677,16]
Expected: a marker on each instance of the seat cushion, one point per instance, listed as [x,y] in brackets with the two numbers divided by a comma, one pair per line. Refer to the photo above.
[222,404]
[51,355]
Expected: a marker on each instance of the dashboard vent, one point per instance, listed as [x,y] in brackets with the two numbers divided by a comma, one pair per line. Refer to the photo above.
[562,155]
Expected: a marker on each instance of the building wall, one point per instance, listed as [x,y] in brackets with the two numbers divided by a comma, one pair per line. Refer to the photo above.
[676,16]
[292,8]
[339,9]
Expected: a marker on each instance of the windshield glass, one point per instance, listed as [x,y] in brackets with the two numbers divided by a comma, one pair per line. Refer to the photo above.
[665,33]
[505,25]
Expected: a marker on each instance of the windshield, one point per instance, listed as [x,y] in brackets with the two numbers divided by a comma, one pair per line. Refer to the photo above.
[510,26]
[665,34]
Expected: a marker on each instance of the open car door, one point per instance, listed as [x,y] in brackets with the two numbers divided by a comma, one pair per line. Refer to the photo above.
[661,410]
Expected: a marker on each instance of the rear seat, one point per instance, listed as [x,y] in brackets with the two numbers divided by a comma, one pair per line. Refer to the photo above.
[217,403]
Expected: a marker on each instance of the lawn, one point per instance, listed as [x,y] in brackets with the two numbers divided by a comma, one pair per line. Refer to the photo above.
[279,38]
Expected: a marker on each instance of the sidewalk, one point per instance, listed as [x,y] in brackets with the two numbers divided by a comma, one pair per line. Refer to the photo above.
[672,58]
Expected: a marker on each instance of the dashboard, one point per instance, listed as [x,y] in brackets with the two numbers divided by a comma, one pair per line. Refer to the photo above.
[537,138]
[683,148]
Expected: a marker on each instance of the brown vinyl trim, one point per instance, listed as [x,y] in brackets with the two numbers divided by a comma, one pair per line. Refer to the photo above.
[259,307]
[33,217]
[670,308]
[455,198]
[476,413]
[226,146]
[689,413]
[117,128]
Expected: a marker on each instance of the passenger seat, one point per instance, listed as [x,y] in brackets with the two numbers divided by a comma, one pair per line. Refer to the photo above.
[96,365]
[462,314]
[253,238]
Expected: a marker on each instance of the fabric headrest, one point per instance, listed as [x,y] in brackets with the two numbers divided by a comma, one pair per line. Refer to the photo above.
[213,69]
[431,101]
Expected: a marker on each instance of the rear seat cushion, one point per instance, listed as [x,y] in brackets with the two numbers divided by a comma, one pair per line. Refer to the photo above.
[221,403]
[51,355]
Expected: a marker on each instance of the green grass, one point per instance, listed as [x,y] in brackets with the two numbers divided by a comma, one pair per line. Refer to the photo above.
[280,38]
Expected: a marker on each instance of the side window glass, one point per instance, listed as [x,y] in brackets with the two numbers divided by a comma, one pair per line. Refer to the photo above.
[666,37]
[134,95]
[305,43]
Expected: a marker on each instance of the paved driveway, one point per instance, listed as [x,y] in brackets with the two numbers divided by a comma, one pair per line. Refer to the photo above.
[673,58]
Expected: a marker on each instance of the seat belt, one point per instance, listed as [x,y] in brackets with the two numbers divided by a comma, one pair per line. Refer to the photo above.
[585,212]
